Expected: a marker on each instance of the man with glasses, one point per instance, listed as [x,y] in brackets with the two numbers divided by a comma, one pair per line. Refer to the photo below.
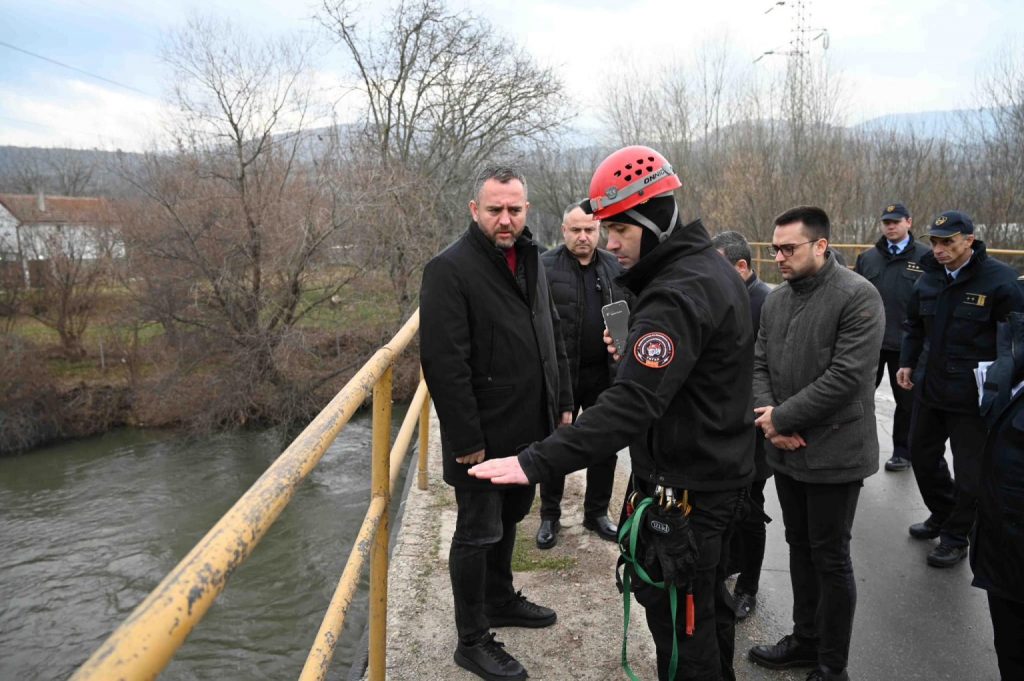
[893,266]
[951,328]
[814,366]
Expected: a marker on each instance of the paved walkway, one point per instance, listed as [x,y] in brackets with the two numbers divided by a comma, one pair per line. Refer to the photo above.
[912,622]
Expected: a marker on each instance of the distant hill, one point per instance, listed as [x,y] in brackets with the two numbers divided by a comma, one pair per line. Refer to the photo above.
[65,172]
[953,124]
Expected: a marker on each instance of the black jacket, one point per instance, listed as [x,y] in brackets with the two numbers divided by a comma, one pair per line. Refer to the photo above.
[894,276]
[997,546]
[565,277]
[678,399]
[758,291]
[950,328]
[493,360]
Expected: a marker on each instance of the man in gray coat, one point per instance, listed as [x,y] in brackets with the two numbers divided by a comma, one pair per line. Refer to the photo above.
[814,370]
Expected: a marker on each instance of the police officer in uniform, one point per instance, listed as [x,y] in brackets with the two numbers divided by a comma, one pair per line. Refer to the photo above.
[893,266]
[950,327]
[674,401]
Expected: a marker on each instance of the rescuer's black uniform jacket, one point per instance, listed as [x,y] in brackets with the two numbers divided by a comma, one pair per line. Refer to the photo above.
[681,397]
[950,327]
[493,358]
[894,276]
[565,278]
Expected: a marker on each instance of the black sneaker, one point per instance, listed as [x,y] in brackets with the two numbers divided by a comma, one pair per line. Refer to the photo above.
[946,555]
[520,612]
[788,652]
[487,659]
[743,604]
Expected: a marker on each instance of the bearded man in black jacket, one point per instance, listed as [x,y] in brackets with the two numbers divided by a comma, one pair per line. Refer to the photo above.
[494,362]
[679,401]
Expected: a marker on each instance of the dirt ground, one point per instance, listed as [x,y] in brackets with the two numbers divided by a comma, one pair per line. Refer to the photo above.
[576,578]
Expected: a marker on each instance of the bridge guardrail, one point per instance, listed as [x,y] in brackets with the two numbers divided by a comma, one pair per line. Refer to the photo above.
[146,641]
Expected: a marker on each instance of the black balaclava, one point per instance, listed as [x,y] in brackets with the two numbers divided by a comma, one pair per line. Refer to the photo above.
[660,212]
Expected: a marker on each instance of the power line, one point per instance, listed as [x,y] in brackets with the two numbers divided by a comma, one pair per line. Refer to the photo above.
[73,68]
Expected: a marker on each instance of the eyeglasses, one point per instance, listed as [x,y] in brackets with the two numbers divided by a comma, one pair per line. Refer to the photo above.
[787,250]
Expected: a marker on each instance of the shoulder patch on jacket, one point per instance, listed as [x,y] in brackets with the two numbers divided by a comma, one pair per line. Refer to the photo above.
[975,299]
[913,267]
[654,350]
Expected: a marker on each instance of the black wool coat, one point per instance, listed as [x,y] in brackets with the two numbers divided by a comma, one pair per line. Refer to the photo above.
[493,359]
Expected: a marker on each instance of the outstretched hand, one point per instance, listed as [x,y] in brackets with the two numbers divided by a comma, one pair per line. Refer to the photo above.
[505,471]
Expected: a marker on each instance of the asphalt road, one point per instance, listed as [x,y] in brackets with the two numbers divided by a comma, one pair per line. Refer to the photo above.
[913,621]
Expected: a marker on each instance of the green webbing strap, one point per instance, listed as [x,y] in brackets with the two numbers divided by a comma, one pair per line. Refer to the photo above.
[631,529]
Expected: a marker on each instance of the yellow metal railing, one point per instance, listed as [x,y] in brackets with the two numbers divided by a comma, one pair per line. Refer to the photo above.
[145,642]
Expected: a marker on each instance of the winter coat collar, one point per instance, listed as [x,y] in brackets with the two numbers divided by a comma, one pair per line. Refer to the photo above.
[930,264]
[813,282]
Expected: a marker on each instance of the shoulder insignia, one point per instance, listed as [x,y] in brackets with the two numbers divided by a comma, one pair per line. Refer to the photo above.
[913,266]
[654,350]
[975,299]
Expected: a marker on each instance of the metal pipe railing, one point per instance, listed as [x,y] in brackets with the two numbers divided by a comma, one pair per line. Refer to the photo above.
[146,641]
[319,660]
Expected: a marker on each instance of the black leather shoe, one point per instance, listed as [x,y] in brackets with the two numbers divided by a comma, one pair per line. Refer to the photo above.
[897,463]
[547,533]
[788,652]
[743,604]
[925,530]
[826,674]
[945,555]
[604,528]
[488,660]
[520,612]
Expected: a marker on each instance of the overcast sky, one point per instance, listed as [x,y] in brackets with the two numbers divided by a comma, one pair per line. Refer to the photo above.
[892,55]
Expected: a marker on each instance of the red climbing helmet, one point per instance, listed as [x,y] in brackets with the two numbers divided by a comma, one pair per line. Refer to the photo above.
[629,177]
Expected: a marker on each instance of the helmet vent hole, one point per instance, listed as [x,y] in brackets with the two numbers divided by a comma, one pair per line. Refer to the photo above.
[650,169]
[628,178]
[618,173]
[650,159]
[639,161]
[639,172]
[629,166]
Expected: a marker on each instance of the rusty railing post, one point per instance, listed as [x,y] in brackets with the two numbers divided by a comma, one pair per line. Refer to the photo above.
[421,478]
[380,487]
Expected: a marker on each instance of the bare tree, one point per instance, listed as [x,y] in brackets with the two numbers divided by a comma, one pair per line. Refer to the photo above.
[243,232]
[69,266]
[443,93]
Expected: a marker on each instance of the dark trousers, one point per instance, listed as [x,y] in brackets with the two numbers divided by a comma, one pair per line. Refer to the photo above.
[818,519]
[707,655]
[601,475]
[746,550]
[480,560]
[890,360]
[1008,627]
[952,504]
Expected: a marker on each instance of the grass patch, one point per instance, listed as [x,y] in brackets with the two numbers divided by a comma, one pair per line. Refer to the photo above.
[526,557]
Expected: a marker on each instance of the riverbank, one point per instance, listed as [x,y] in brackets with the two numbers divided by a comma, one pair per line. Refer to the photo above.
[45,400]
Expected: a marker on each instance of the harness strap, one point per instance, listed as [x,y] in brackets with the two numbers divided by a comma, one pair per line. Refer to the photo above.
[630,531]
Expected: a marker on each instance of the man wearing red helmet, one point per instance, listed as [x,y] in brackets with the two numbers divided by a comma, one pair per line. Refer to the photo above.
[675,403]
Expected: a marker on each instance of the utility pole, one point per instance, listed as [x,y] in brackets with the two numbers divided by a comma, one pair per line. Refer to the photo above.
[797,52]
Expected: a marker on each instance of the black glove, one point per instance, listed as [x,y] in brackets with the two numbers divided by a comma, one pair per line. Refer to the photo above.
[672,544]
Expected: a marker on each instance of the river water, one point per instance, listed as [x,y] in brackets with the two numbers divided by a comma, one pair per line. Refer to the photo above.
[88,528]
